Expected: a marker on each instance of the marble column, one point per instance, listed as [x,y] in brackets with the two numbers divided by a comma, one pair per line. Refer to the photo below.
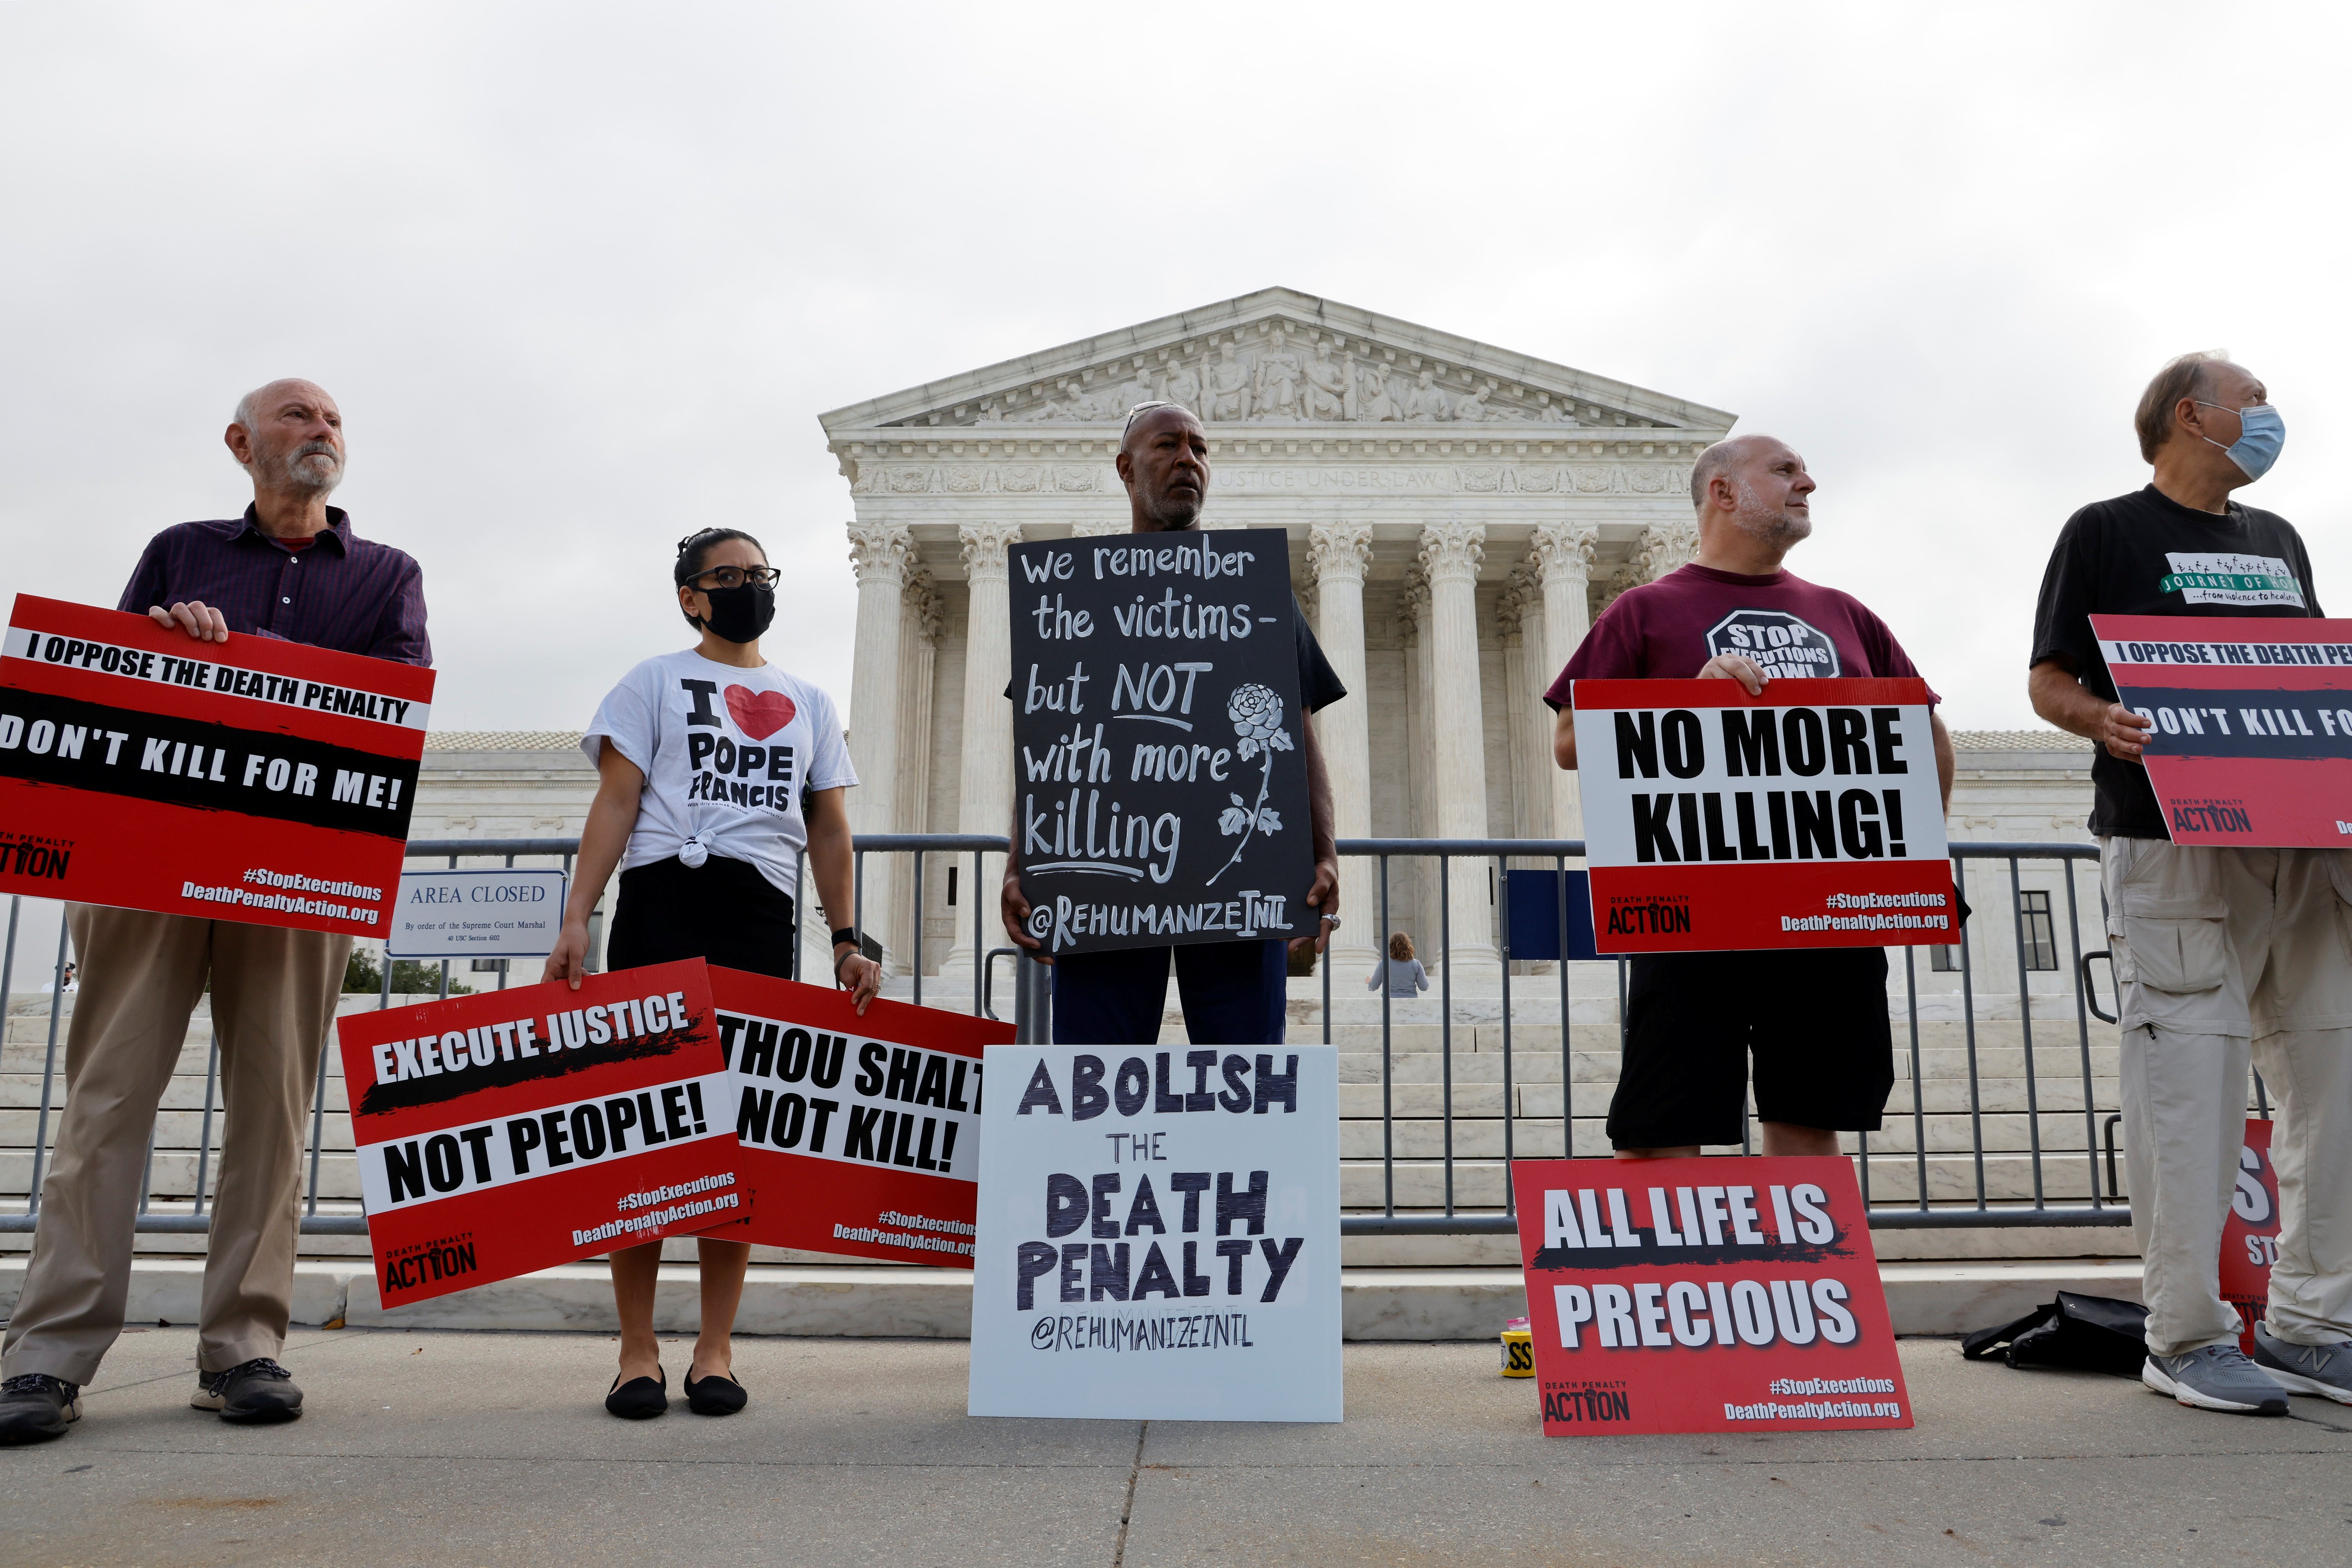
[1412,897]
[1339,554]
[1562,557]
[881,553]
[985,803]
[1450,554]
[1666,547]
[918,635]
[1526,809]
[1531,725]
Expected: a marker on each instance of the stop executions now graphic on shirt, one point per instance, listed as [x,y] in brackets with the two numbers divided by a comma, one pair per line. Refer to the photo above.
[1705,1295]
[513,1130]
[1809,817]
[2253,745]
[254,780]
[866,1130]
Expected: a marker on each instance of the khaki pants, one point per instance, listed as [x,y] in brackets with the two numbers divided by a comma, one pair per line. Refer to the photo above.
[141,975]
[2221,955]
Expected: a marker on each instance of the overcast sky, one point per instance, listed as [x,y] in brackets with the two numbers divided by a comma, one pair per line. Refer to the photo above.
[583,275]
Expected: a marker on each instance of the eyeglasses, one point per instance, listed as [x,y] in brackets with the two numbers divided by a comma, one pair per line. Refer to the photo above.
[736,576]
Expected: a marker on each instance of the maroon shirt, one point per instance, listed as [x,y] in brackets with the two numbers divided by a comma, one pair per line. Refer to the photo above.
[1668,629]
[340,591]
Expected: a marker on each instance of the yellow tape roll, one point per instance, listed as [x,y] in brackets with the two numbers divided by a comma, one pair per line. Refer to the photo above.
[1519,1354]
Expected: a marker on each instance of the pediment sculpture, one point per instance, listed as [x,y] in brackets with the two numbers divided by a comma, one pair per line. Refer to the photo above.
[1294,374]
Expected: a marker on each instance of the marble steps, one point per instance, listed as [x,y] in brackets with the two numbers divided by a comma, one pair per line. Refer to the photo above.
[1951,1177]
[2051,1065]
[1537,1137]
[181,1092]
[174,1172]
[870,1301]
[27,1056]
[1419,1167]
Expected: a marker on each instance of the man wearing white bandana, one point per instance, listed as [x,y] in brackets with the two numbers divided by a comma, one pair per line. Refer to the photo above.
[2220,954]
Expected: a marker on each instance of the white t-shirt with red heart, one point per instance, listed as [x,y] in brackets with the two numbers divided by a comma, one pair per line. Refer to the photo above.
[727,753]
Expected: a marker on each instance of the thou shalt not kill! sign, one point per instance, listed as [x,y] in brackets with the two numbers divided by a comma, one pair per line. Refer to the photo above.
[1160,755]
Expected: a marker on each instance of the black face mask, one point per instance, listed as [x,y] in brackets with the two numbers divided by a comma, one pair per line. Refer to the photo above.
[740,614]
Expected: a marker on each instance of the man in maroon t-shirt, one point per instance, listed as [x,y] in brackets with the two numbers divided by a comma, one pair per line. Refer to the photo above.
[1814,1017]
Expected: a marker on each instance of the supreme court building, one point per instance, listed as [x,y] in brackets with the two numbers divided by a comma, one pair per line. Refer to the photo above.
[1457,514]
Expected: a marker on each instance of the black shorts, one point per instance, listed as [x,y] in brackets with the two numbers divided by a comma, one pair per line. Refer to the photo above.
[722,911]
[1815,1019]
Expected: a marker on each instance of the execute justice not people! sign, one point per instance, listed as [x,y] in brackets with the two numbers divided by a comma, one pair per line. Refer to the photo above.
[510,1131]
[1809,817]
[255,780]
[1159,745]
[1705,1295]
[2252,716]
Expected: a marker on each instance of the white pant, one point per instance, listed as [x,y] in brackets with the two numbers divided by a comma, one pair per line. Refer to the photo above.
[2220,954]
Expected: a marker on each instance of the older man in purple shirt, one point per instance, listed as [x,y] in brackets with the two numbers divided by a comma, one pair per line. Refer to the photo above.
[291,568]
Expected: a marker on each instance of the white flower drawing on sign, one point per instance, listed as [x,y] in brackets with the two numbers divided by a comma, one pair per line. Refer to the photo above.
[1256,713]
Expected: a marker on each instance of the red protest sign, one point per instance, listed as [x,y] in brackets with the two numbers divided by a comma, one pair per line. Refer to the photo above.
[2252,743]
[2249,1233]
[866,1132]
[516,1130]
[1705,1295]
[254,780]
[1809,816]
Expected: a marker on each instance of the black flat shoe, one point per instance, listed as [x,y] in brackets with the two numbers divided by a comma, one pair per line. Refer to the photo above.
[718,1394]
[641,1399]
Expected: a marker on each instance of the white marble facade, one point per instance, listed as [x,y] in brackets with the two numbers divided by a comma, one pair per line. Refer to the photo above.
[1457,515]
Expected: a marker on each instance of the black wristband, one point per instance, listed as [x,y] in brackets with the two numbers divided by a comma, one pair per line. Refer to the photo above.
[847,934]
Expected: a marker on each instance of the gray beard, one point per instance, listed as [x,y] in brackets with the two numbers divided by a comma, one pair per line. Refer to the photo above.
[1767,523]
[292,472]
[1173,517]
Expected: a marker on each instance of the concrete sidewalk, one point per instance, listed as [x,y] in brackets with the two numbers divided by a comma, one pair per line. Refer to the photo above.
[449,1448]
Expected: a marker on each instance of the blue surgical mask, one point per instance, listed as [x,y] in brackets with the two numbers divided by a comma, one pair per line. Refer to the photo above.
[2261,434]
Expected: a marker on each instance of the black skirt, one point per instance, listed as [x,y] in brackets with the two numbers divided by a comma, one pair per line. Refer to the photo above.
[722,911]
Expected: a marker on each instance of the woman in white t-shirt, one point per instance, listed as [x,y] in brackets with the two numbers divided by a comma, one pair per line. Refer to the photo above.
[716,771]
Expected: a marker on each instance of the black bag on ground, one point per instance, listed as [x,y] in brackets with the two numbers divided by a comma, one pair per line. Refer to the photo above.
[2079,1333]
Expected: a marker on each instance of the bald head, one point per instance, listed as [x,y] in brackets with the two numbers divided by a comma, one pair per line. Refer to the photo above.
[1727,456]
[1754,501]
[289,435]
[1163,460]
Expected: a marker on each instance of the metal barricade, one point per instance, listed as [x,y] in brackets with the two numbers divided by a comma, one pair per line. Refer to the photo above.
[2053,1016]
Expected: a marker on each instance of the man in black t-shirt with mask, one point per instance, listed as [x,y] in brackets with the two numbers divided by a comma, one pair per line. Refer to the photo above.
[2220,954]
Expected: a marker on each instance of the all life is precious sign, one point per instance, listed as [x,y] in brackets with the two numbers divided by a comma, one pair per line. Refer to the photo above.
[1705,1295]
[1161,788]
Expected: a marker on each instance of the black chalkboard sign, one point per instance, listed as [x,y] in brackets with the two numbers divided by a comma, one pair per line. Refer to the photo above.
[1159,753]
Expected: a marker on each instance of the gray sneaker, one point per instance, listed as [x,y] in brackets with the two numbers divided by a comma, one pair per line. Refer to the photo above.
[2324,1370]
[2218,1377]
[254,1391]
